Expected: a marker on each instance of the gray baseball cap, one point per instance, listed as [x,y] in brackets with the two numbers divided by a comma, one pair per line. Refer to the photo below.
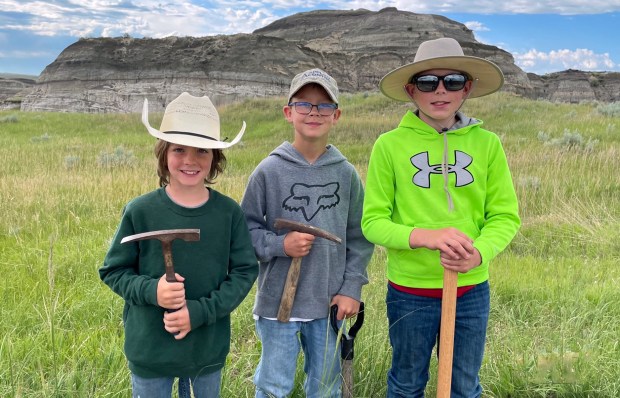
[314,76]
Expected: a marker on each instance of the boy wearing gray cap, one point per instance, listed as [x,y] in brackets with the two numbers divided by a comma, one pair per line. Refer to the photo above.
[308,181]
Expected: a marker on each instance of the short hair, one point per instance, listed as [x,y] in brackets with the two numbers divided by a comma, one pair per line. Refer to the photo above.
[161,153]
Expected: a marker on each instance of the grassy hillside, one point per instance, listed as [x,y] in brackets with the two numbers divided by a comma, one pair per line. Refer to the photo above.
[555,299]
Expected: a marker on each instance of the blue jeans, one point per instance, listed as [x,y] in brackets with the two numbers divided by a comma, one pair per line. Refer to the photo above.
[414,331]
[281,343]
[204,386]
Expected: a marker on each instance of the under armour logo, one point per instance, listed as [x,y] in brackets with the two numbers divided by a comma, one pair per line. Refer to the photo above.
[310,199]
[459,168]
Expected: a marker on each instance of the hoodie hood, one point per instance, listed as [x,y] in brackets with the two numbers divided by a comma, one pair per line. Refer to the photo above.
[462,121]
[286,151]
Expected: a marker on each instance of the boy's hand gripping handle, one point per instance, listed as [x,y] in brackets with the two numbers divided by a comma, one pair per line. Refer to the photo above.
[290,286]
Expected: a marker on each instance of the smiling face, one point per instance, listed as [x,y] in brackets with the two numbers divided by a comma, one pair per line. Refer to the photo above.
[161,153]
[313,126]
[188,167]
[438,107]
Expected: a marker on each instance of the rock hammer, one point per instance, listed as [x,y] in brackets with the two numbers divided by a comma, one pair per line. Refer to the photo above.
[290,287]
[166,236]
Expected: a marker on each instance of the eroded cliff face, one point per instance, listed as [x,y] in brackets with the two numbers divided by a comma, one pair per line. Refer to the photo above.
[13,88]
[115,75]
[356,47]
[576,86]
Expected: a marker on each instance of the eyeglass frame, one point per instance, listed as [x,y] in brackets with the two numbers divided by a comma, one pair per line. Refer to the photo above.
[414,81]
[325,105]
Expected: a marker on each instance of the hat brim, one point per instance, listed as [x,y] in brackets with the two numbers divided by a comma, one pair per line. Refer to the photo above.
[187,138]
[329,92]
[488,77]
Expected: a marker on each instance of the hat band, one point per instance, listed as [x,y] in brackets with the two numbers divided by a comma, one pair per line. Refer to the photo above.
[190,134]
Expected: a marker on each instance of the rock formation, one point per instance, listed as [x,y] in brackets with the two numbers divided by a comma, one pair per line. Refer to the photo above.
[356,47]
[576,86]
[13,88]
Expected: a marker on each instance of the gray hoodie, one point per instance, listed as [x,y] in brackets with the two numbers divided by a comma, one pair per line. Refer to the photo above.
[327,194]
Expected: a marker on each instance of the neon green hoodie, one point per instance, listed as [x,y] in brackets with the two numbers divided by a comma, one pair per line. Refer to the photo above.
[405,190]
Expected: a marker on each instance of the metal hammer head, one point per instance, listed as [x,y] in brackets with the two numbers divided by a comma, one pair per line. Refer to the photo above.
[165,235]
[282,223]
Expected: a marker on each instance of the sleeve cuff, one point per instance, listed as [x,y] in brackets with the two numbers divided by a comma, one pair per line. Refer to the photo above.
[196,316]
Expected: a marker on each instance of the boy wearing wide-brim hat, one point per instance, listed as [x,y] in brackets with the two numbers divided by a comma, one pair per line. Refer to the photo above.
[439,194]
[182,329]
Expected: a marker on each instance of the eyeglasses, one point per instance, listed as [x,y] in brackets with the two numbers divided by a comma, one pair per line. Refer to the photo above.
[428,83]
[304,108]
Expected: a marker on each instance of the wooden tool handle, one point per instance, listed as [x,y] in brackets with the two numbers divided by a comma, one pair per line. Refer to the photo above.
[446,338]
[347,379]
[166,247]
[290,288]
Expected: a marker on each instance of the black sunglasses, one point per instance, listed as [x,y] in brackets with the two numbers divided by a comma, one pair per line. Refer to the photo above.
[428,83]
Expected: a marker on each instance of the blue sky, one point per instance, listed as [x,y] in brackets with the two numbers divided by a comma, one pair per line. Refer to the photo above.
[543,36]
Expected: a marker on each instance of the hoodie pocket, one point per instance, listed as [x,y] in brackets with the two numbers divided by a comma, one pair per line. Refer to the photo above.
[271,283]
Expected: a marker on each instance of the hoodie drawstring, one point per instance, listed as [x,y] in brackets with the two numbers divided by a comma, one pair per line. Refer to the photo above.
[444,131]
[444,160]
[444,169]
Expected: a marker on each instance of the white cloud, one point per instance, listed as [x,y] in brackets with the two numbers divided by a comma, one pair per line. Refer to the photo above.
[486,6]
[553,61]
[149,18]
[476,26]
[158,18]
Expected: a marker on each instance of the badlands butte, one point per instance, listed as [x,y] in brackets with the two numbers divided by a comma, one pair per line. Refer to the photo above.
[357,47]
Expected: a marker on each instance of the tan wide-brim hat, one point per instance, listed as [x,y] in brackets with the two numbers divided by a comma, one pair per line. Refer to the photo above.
[444,53]
[191,121]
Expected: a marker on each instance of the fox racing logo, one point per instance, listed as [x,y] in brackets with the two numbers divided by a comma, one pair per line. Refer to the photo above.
[310,199]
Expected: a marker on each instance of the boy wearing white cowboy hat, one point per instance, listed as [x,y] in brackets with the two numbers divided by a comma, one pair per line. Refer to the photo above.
[213,276]
[439,194]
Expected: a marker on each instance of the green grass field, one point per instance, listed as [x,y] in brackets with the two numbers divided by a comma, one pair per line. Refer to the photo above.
[555,304]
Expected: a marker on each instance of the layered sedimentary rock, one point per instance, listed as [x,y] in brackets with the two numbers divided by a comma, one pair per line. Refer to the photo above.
[356,47]
[576,86]
[13,88]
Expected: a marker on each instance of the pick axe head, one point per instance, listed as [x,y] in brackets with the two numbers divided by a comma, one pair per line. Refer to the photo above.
[166,236]
[282,223]
[290,286]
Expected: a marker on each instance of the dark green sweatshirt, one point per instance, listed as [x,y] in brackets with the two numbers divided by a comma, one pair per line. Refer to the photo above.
[219,271]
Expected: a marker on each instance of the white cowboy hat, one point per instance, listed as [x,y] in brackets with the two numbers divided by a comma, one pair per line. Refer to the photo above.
[191,121]
[444,53]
